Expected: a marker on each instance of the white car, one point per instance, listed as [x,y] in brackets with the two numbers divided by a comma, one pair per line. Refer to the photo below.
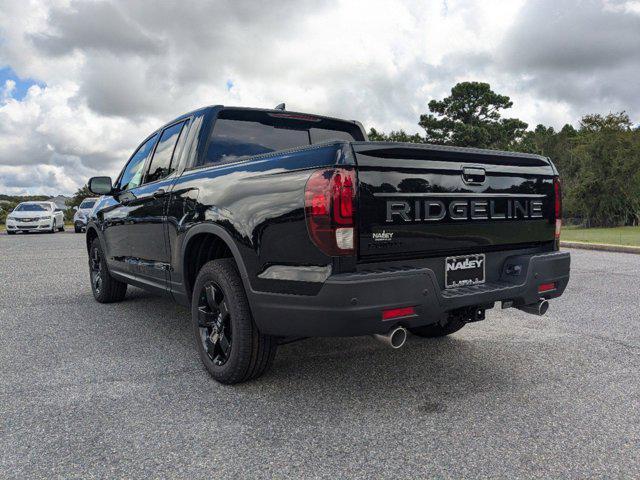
[35,217]
[82,214]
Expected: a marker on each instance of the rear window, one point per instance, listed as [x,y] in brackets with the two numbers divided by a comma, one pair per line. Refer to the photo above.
[242,133]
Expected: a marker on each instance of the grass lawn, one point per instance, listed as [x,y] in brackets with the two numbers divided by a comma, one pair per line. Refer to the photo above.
[614,236]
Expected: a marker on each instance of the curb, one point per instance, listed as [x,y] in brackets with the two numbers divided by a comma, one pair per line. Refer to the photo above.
[606,247]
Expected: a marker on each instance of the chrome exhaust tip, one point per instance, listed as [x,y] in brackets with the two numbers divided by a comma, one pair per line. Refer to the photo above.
[395,338]
[538,308]
[543,306]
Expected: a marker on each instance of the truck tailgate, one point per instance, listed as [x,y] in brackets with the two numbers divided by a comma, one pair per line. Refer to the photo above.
[422,200]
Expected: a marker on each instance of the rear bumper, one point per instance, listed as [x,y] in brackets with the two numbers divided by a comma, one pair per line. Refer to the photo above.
[352,304]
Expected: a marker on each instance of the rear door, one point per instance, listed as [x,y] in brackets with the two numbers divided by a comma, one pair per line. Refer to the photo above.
[148,256]
[419,200]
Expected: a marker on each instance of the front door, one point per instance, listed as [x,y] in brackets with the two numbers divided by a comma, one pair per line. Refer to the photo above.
[118,216]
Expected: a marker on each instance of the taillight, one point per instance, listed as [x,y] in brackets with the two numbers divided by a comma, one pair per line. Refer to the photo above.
[329,208]
[558,205]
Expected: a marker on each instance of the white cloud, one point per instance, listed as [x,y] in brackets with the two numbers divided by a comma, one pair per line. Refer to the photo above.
[6,93]
[110,72]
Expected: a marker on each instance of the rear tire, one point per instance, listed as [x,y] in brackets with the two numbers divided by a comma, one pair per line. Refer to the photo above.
[106,289]
[452,325]
[10,232]
[53,227]
[229,343]
[61,229]
[77,229]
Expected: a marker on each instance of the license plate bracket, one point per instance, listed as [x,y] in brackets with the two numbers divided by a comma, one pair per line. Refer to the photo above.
[464,270]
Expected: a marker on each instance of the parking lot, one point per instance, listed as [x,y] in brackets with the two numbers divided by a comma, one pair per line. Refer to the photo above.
[91,390]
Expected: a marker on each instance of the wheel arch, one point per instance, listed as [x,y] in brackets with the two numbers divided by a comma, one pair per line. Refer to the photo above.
[92,234]
[204,243]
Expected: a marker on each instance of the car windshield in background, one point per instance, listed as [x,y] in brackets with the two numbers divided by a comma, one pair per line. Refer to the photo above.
[87,204]
[241,133]
[31,207]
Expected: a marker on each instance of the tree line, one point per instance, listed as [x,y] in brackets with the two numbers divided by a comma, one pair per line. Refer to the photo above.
[599,161]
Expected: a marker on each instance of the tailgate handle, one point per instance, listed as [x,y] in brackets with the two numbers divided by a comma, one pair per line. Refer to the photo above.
[473,175]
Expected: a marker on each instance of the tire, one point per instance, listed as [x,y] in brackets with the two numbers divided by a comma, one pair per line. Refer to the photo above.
[229,343]
[452,325]
[61,229]
[77,229]
[106,289]
[10,232]
[53,227]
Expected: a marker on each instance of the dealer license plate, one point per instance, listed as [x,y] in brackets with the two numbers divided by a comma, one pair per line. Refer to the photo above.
[464,270]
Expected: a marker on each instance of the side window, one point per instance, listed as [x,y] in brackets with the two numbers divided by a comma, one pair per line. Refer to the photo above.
[161,163]
[132,174]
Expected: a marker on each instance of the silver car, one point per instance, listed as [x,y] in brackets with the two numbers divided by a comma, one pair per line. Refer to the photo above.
[82,214]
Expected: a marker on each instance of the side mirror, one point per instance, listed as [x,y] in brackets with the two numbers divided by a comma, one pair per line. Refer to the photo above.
[75,209]
[100,185]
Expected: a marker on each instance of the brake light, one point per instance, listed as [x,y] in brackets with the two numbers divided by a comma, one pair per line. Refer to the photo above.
[558,205]
[295,116]
[329,209]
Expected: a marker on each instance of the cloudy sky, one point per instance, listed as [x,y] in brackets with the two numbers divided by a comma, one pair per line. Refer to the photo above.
[81,83]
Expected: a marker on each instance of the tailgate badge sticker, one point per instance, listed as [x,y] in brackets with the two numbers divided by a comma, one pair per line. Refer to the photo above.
[382,236]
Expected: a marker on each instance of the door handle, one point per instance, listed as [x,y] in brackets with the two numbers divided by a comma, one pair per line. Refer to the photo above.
[473,175]
[158,193]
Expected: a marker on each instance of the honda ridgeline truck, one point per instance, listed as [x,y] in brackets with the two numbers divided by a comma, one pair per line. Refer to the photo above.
[272,226]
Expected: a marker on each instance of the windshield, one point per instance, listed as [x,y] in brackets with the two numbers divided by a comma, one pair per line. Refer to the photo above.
[88,204]
[31,207]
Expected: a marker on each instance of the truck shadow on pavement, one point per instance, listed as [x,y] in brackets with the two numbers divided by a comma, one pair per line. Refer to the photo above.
[432,371]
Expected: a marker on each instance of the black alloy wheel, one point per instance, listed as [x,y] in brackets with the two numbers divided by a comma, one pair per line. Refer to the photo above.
[106,289]
[229,343]
[214,322]
[95,266]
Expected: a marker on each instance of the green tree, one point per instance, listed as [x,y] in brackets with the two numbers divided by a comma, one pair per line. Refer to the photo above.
[599,164]
[613,122]
[470,117]
[394,136]
[605,182]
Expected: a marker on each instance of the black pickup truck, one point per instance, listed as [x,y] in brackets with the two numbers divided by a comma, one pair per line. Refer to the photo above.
[273,225]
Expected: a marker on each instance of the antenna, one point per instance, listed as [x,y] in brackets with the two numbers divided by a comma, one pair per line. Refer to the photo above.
[280,106]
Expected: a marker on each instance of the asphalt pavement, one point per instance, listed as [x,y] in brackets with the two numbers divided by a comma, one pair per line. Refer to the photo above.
[100,391]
